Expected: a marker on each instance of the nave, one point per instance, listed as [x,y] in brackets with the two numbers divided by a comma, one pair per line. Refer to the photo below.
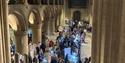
[26,24]
[67,45]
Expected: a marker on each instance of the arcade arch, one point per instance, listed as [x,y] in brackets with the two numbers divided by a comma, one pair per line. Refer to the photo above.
[35,25]
[13,22]
[19,34]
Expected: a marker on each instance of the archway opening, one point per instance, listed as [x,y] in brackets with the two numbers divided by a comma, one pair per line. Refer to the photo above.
[13,27]
[34,26]
[13,20]
[77,15]
[31,18]
[31,22]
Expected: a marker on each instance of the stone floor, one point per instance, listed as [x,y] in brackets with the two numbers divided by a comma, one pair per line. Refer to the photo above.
[86,47]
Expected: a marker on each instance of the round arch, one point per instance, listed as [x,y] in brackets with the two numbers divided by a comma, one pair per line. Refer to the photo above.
[20,19]
[31,18]
[13,21]
[34,17]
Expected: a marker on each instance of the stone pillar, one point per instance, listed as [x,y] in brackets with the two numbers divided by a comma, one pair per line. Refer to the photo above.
[63,17]
[67,11]
[53,25]
[106,31]
[1,49]
[112,39]
[49,27]
[1,38]
[26,1]
[97,26]
[1,52]
[21,44]
[36,29]
[6,37]
[121,57]
[45,26]
[58,20]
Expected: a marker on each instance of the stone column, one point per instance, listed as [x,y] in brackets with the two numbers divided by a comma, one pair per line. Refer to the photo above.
[53,25]
[22,44]
[26,1]
[6,37]
[58,20]
[36,29]
[106,31]
[121,58]
[97,31]
[67,11]
[1,51]
[113,19]
[1,48]
[49,27]
[63,17]
[44,26]
[107,18]
[1,41]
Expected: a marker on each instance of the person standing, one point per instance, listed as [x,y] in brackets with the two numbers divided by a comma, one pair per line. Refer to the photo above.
[53,60]
[43,47]
[34,60]
[40,57]
[51,43]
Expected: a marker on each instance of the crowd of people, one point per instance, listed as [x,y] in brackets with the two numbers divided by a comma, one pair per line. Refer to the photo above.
[66,48]
[70,39]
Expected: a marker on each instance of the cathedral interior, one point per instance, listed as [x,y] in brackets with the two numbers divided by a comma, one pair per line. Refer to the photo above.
[62,31]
